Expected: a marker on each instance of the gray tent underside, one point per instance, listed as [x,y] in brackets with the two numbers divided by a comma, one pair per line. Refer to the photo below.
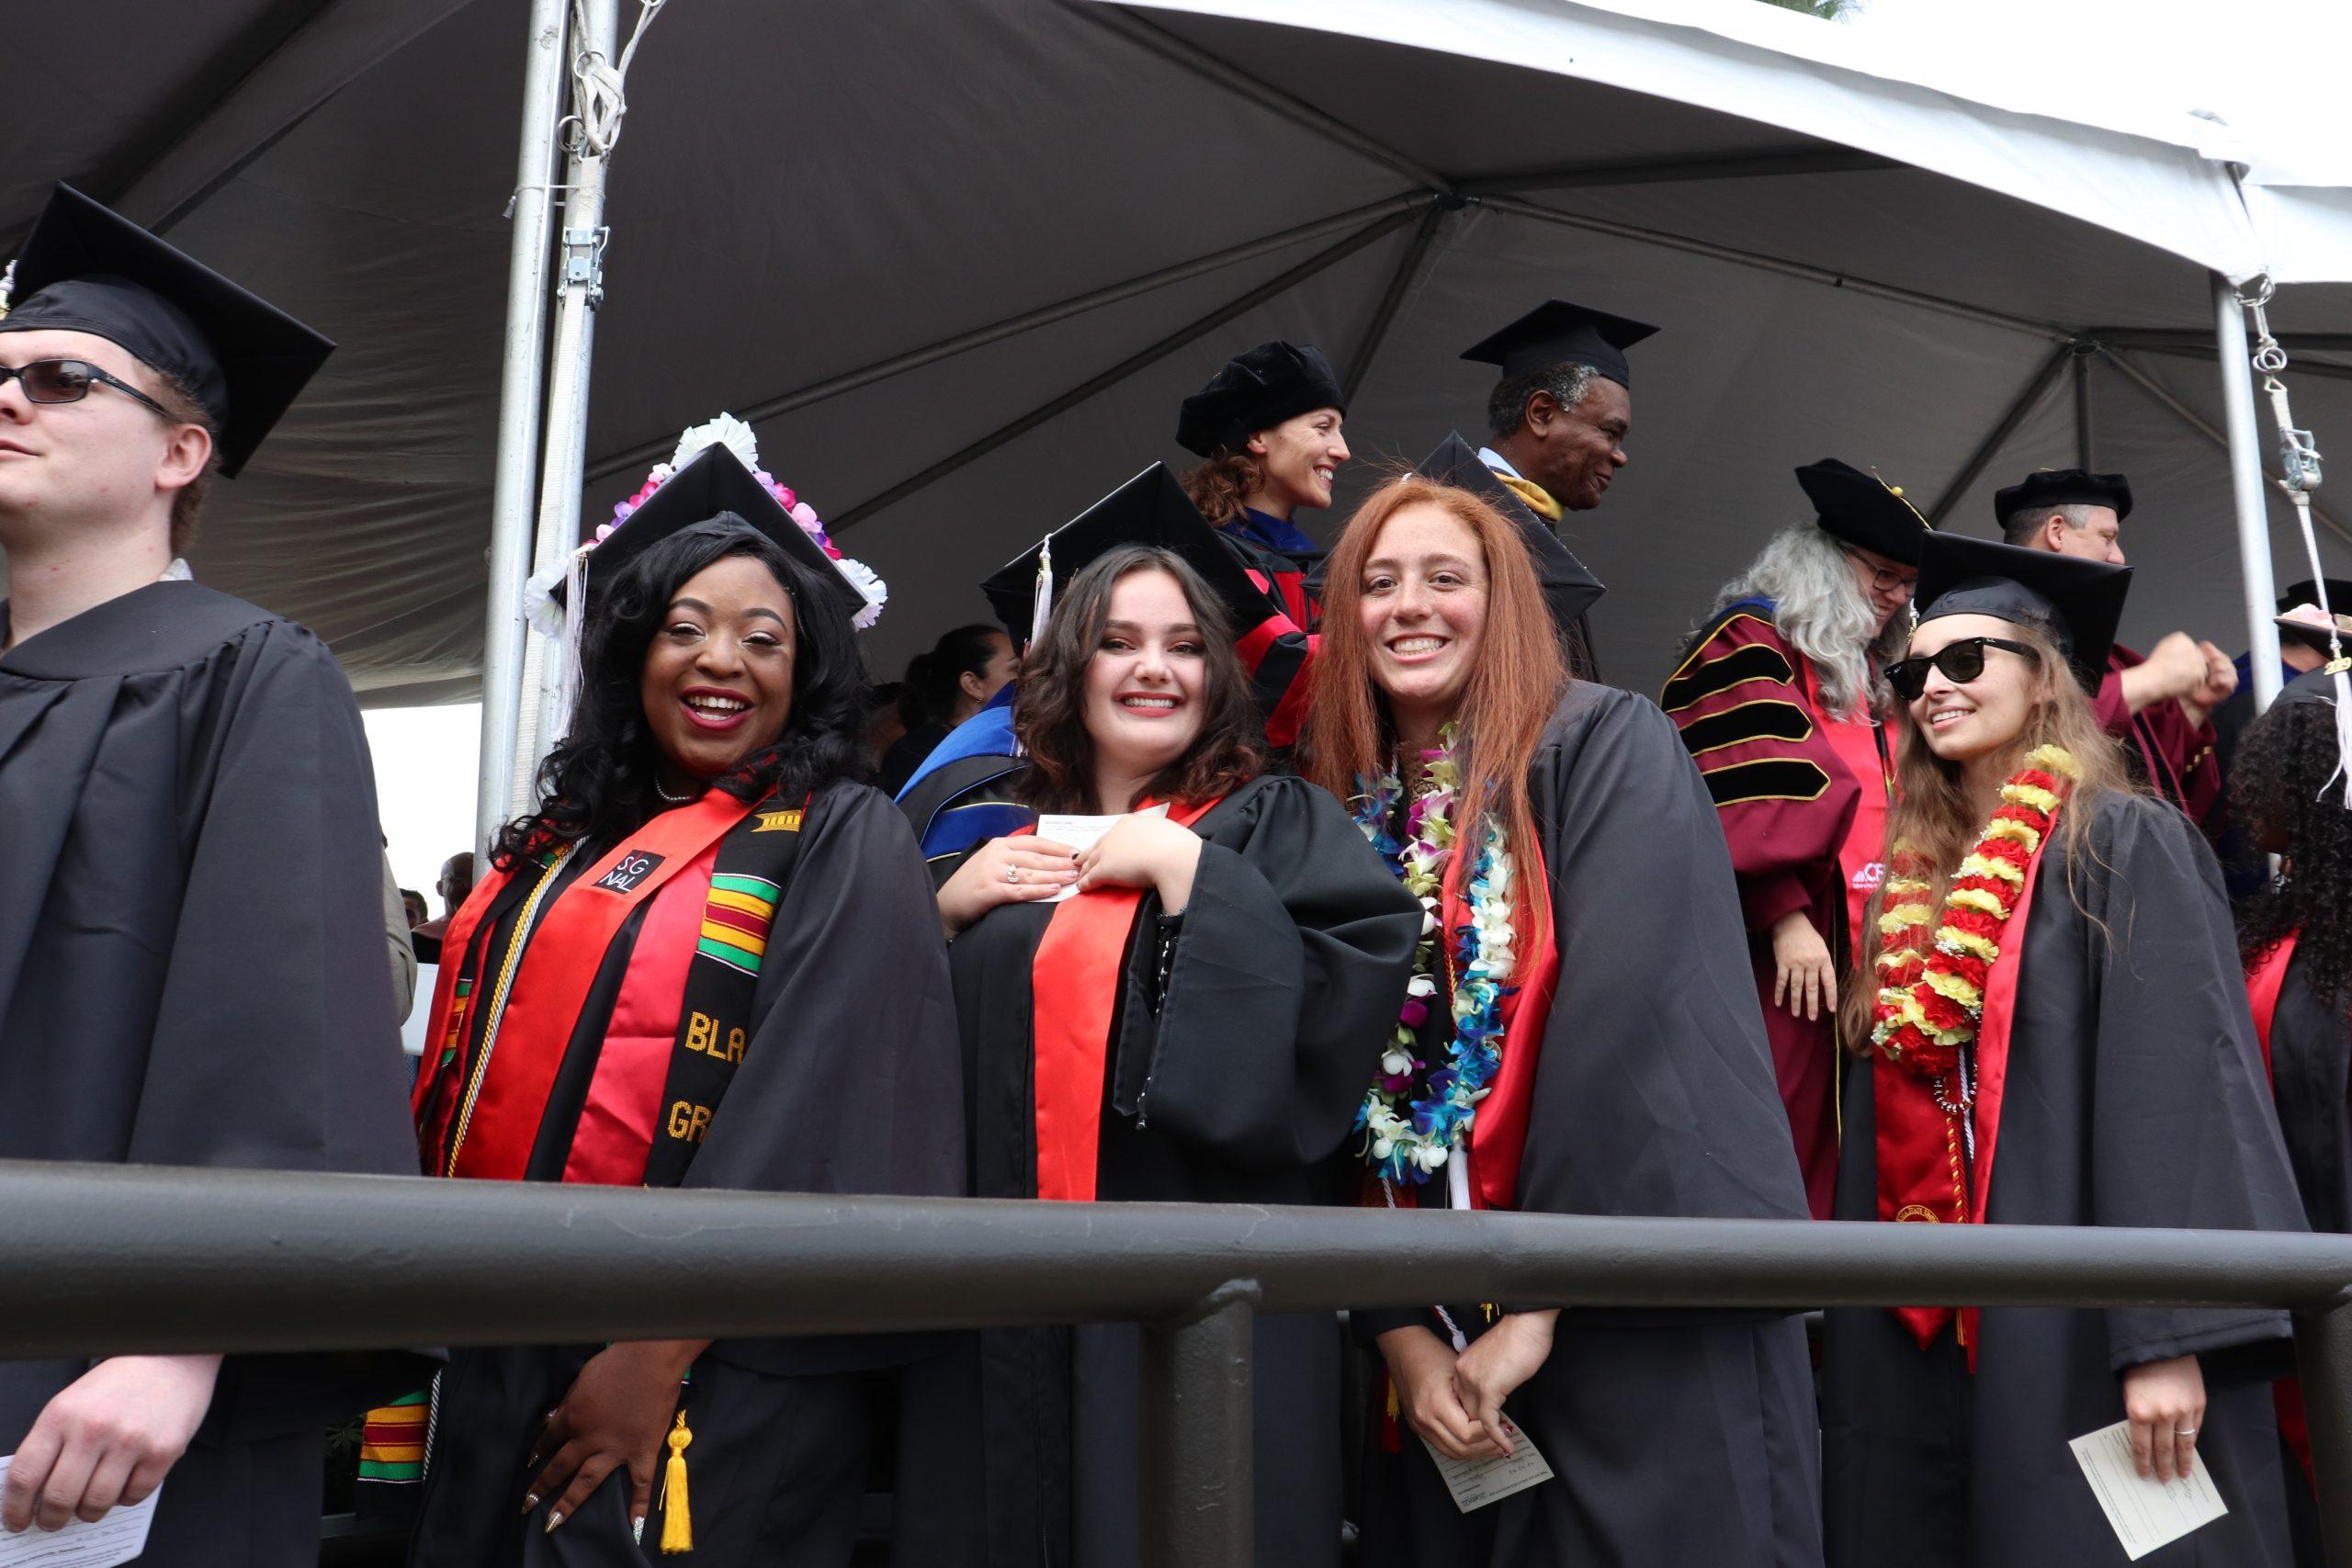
[959,261]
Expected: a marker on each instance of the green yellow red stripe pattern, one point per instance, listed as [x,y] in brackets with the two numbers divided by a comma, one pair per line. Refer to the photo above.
[391,1444]
[735,921]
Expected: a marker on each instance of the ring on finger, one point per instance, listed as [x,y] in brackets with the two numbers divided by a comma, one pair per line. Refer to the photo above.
[1012,873]
[2184,1431]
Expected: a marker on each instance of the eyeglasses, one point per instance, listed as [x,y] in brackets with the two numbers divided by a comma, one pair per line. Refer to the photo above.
[69,382]
[1962,661]
[1881,578]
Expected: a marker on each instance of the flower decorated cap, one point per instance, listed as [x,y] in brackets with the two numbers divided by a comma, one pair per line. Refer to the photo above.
[86,269]
[2077,603]
[1863,509]
[1255,391]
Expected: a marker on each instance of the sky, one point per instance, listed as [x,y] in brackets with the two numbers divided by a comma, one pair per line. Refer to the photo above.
[424,786]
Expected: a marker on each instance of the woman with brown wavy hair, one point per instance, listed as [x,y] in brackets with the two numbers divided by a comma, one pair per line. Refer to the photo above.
[1186,1008]
[2056,982]
[1580,1037]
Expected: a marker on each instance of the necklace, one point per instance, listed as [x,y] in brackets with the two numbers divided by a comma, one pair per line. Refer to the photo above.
[1416,1113]
[673,799]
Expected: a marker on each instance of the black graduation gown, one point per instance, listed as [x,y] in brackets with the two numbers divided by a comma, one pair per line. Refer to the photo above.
[1674,1438]
[848,1085]
[2134,1098]
[1287,971]
[193,972]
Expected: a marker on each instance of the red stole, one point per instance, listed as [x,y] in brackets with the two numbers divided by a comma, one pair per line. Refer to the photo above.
[2263,984]
[546,991]
[1498,1130]
[1861,854]
[1074,985]
[1920,1155]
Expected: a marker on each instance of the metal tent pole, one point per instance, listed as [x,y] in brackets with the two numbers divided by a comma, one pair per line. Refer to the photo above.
[518,418]
[580,289]
[2245,484]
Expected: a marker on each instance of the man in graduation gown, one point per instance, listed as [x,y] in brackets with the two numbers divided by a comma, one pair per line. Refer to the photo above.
[1802,791]
[1557,420]
[2158,704]
[192,948]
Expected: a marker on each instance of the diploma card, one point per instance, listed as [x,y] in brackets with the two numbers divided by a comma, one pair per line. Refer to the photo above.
[2145,1512]
[1475,1483]
[118,1538]
[1080,834]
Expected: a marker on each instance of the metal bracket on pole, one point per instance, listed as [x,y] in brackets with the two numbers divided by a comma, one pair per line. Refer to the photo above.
[1197,1463]
[584,261]
[2323,1357]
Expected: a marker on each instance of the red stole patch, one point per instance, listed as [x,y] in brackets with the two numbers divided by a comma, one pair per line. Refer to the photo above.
[1861,856]
[550,985]
[1923,1174]
[1498,1130]
[1074,985]
[2263,984]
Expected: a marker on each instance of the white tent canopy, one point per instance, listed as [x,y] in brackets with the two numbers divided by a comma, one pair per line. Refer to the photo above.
[959,259]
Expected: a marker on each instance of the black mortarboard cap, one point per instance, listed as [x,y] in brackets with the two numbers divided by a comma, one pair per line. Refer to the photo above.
[1149,509]
[712,483]
[2079,603]
[1568,587]
[85,269]
[1863,509]
[2063,487]
[1556,332]
[2339,596]
[1255,391]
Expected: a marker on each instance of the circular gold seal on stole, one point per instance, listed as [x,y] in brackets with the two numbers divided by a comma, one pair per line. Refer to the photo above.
[1916,1212]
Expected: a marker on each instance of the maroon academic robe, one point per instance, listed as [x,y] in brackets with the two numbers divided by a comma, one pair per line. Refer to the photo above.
[2174,756]
[1802,802]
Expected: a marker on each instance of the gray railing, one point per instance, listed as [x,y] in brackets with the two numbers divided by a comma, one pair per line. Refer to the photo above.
[106,1260]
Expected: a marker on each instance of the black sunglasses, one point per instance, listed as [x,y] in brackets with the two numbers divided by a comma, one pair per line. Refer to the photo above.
[1962,661]
[69,382]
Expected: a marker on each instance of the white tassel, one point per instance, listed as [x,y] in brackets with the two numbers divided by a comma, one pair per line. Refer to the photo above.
[575,620]
[1044,610]
[7,289]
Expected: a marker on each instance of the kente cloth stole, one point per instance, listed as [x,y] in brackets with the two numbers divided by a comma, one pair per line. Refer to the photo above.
[1075,980]
[1498,1129]
[1924,1173]
[1537,498]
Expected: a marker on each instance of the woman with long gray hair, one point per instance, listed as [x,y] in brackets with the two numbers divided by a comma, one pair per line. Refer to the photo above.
[1778,698]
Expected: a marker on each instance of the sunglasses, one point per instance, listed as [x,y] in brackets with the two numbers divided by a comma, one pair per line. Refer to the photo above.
[69,382]
[1961,661]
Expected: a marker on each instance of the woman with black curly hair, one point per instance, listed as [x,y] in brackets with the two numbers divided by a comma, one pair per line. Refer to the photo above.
[1186,1009]
[708,958]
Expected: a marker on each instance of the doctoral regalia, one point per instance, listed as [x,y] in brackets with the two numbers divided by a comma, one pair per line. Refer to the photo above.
[1673,1438]
[1232,1048]
[1803,799]
[2131,1095]
[193,972]
[750,998]
[2173,757]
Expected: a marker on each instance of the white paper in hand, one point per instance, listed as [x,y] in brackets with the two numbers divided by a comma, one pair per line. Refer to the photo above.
[1475,1483]
[118,1538]
[1080,834]
[2145,1513]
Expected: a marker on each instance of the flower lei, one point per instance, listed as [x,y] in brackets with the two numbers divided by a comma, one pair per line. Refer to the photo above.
[1931,996]
[1415,1114]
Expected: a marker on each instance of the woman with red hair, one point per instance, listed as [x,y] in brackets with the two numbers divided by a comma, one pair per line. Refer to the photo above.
[1580,1037]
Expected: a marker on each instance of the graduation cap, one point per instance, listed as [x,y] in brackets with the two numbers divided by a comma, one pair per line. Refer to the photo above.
[712,483]
[1568,587]
[1149,509]
[1255,391]
[1863,509]
[2313,628]
[2054,487]
[2339,594]
[1556,332]
[85,269]
[2078,603]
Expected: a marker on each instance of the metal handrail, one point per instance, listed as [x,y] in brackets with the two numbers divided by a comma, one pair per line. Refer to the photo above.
[114,1260]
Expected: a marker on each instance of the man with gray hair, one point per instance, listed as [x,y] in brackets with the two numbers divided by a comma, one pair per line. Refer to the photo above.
[2159,704]
[1557,420]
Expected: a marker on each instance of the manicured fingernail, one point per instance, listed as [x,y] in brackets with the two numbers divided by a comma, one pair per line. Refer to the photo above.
[637,1530]
[530,1501]
[553,1520]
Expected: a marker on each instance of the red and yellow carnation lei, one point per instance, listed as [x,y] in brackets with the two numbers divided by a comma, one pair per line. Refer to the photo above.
[1931,993]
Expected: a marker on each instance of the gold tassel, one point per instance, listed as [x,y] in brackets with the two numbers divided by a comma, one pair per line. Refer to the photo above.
[677,1519]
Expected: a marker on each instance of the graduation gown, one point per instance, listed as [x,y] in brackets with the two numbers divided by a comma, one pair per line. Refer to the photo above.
[844,1080]
[1802,801]
[1674,1438]
[1280,649]
[2134,1096]
[2173,757]
[193,972]
[1283,978]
